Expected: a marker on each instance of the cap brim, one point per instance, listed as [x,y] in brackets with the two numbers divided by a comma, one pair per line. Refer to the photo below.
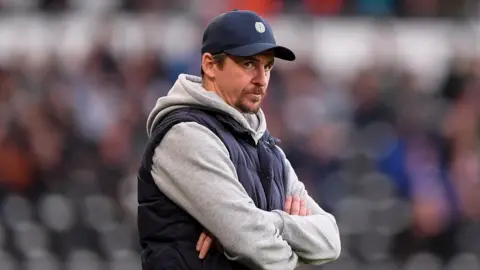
[253,49]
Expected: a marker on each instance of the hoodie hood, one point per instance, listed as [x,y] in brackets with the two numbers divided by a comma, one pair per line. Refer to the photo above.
[189,92]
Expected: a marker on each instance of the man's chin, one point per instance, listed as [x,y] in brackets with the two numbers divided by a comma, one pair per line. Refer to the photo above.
[249,109]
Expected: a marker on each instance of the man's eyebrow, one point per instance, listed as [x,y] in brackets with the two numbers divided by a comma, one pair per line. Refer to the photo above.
[250,58]
[253,58]
[238,59]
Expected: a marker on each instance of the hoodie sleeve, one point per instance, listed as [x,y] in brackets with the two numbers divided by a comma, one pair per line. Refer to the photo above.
[193,168]
[315,239]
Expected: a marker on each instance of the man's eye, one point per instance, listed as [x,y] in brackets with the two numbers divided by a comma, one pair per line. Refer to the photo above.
[248,64]
[268,67]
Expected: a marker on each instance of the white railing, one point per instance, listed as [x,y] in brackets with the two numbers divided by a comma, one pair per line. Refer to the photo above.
[337,46]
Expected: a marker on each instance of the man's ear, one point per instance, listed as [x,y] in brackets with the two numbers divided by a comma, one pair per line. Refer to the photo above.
[208,65]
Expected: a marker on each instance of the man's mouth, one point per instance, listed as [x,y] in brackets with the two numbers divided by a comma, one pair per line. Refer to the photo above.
[256,95]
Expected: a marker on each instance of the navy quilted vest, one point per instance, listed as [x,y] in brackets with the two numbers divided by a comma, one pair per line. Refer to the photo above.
[167,233]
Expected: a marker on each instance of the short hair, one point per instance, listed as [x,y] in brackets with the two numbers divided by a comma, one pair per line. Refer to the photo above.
[218,59]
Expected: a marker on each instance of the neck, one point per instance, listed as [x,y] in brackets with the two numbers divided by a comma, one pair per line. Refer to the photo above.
[211,87]
[208,85]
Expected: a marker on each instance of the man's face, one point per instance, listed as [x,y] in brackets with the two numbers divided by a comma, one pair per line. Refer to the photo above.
[242,81]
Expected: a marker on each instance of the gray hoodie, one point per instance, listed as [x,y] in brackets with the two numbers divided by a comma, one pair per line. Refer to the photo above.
[193,168]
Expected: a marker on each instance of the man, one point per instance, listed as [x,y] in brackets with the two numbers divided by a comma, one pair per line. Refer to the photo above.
[211,170]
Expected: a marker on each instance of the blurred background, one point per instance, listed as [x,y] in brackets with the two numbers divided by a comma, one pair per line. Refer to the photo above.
[378,115]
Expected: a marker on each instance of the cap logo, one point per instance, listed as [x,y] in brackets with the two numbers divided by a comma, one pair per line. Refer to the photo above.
[260,27]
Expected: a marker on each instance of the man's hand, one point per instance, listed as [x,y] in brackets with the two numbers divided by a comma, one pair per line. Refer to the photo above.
[293,206]
[203,244]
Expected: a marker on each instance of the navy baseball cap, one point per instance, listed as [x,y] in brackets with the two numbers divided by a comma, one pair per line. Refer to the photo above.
[242,33]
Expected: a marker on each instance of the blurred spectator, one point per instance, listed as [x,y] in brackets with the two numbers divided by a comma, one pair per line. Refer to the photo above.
[375,7]
[420,8]
[154,5]
[324,7]
[462,134]
[367,95]
[264,8]
[53,5]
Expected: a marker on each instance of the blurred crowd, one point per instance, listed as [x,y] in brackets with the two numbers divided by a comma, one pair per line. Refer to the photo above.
[397,164]
[381,8]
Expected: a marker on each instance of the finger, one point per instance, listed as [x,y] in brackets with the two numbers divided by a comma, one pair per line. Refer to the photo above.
[201,240]
[309,212]
[295,206]
[288,204]
[205,247]
[303,208]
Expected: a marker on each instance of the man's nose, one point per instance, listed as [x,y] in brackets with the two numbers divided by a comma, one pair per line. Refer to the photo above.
[260,78]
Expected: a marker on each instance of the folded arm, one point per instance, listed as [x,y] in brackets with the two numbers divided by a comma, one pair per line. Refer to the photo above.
[314,238]
[192,167]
